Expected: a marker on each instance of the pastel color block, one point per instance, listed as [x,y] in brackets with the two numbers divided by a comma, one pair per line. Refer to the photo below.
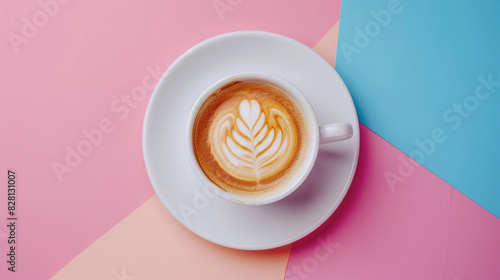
[151,244]
[166,233]
[92,66]
[425,75]
[327,46]
[421,229]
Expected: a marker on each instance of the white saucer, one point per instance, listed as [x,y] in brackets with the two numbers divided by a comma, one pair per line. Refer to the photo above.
[164,145]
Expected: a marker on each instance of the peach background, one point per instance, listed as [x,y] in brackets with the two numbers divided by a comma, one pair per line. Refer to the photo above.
[151,244]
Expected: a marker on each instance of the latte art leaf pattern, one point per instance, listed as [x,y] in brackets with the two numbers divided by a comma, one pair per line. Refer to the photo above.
[254,143]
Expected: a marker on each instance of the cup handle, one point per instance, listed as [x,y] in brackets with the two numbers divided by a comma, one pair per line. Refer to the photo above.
[334,132]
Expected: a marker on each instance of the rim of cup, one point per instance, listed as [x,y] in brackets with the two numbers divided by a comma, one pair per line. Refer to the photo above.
[312,149]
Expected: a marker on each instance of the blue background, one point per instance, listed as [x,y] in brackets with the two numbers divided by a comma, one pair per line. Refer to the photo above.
[428,57]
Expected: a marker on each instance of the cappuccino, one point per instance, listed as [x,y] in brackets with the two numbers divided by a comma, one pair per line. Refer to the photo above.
[250,138]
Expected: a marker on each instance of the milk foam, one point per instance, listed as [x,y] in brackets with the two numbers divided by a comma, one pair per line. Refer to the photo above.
[250,138]
[253,144]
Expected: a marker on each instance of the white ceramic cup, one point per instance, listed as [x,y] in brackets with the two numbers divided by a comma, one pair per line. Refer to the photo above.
[317,135]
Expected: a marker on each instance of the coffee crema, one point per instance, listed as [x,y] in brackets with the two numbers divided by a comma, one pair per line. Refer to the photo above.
[249,138]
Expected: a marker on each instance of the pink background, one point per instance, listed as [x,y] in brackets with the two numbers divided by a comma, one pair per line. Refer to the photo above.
[90,55]
[422,229]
